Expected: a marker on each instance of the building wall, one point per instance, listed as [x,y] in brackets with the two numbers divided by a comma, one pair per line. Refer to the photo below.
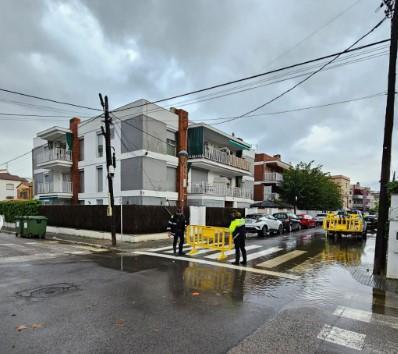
[5,192]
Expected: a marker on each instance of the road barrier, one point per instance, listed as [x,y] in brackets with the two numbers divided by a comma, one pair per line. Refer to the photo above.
[346,224]
[215,238]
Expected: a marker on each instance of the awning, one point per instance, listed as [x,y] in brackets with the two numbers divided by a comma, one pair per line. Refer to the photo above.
[239,145]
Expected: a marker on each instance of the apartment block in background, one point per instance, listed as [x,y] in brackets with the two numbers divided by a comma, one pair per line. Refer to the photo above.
[9,184]
[360,197]
[345,187]
[268,176]
[220,168]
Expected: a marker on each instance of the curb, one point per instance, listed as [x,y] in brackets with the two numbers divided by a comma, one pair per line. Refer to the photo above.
[86,244]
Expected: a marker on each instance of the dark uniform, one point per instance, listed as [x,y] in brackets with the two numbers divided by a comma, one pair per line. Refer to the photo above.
[176,226]
[238,230]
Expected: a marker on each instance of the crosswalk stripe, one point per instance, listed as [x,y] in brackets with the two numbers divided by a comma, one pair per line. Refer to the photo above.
[220,264]
[160,249]
[185,249]
[281,259]
[228,253]
[366,316]
[252,256]
[306,265]
[342,337]
[202,251]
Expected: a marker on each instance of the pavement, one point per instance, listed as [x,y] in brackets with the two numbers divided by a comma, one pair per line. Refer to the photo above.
[299,293]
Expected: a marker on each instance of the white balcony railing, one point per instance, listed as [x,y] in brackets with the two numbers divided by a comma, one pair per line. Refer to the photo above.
[213,154]
[273,177]
[53,155]
[221,190]
[45,188]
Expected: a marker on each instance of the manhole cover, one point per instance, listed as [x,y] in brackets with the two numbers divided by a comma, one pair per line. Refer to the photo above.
[48,290]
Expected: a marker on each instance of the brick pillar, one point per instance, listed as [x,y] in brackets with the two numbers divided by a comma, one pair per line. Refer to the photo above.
[182,145]
[74,127]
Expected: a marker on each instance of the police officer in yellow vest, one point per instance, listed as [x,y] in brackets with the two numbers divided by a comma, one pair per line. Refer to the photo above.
[238,231]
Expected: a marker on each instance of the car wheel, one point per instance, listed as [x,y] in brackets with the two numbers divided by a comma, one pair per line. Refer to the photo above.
[280,230]
[299,227]
[289,228]
[264,231]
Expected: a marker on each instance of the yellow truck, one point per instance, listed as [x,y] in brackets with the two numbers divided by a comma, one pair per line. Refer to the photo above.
[345,223]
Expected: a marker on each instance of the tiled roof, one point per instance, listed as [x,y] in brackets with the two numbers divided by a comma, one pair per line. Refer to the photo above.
[8,177]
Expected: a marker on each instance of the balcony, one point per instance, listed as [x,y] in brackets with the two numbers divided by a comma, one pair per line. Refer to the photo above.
[221,190]
[271,196]
[222,157]
[54,157]
[273,177]
[46,188]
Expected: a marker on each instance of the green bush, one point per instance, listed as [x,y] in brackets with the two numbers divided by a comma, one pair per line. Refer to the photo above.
[12,208]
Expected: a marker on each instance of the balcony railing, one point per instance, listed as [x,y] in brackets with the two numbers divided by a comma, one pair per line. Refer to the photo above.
[45,188]
[222,157]
[271,196]
[273,177]
[53,155]
[221,190]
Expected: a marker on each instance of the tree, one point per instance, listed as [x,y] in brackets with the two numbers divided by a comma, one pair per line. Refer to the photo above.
[307,187]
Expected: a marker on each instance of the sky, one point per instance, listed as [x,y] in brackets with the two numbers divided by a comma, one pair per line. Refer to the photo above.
[72,50]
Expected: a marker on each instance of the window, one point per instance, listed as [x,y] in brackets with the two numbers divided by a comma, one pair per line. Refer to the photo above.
[9,186]
[100,202]
[171,143]
[81,155]
[99,179]
[81,177]
[100,145]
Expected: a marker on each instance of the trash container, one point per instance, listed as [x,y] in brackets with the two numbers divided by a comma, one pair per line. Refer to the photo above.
[34,226]
[19,225]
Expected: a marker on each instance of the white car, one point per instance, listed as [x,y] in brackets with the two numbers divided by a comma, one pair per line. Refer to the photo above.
[319,218]
[263,224]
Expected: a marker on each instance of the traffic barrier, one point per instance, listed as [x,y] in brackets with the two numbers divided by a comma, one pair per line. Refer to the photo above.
[215,238]
[350,223]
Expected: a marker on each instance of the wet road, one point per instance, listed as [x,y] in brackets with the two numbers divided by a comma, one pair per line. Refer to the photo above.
[300,293]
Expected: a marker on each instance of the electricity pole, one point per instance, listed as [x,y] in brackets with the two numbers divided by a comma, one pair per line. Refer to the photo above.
[110,166]
[381,238]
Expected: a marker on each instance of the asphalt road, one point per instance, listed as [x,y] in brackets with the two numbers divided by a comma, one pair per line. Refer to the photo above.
[298,294]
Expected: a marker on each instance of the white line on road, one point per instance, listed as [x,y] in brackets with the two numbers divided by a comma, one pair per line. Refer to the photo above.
[228,253]
[281,259]
[31,243]
[163,248]
[342,337]
[366,316]
[33,257]
[219,264]
[259,254]
[185,249]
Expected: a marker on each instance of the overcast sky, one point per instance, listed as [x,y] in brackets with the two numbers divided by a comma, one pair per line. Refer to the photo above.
[72,50]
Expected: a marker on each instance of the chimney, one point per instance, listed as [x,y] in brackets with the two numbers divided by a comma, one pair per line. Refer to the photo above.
[277,156]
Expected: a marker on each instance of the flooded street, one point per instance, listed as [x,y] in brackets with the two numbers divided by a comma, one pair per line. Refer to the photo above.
[300,293]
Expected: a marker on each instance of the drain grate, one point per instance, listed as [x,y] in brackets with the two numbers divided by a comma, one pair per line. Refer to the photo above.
[48,290]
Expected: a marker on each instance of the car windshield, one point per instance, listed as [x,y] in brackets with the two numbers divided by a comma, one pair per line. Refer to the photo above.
[253,217]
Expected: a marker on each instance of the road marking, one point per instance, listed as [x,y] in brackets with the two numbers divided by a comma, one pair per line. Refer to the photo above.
[77,252]
[342,337]
[365,316]
[281,259]
[163,248]
[306,265]
[228,253]
[219,264]
[185,249]
[202,251]
[33,257]
[259,254]
[91,248]
[31,243]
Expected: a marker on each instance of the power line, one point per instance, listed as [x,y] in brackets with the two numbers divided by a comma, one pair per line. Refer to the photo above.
[48,99]
[350,49]
[16,158]
[309,76]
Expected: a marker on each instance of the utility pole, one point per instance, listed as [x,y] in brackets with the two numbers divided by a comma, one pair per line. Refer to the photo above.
[110,166]
[381,238]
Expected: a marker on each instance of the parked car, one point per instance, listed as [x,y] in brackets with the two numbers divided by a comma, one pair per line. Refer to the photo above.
[319,218]
[306,221]
[371,222]
[290,221]
[263,224]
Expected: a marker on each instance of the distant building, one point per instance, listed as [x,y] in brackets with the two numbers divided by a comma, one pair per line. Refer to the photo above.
[361,198]
[344,183]
[374,200]
[25,191]
[268,176]
[9,184]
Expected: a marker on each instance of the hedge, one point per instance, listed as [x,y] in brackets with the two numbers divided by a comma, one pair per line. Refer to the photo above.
[12,208]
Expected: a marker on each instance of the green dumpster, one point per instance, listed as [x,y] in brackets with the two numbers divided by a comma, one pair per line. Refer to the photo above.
[19,225]
[34,226]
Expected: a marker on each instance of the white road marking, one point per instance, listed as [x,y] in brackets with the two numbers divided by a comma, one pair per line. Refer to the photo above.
[259,254]
[219,264]
[281,259]
[366,316]
[228,253]
[202,251]
[184,249]
[31,243]
[163,248]
[306,265]
[342,337]
[33,257]
[78,252]
[90,248]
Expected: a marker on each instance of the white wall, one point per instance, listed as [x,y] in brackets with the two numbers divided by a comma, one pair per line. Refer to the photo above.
[4,193]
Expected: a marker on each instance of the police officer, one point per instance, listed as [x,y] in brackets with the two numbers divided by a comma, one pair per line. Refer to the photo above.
[176,227]
[238,231]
